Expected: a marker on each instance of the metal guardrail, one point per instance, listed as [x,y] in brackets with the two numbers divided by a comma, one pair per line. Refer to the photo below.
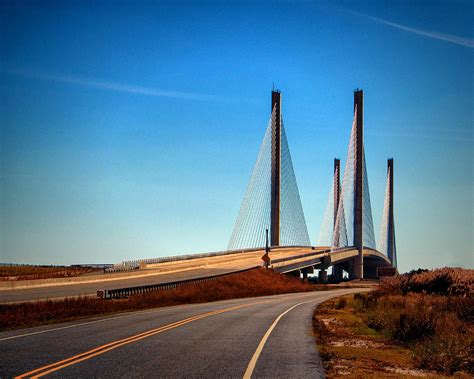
[135,264]
[121,293]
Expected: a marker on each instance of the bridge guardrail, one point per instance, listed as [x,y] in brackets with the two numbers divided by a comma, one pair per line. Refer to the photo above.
[120,293]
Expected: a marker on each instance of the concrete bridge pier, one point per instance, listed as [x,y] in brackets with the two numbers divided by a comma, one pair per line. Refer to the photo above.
[350,269]
[305,271]
[323,276]
[304,274]
[337,273]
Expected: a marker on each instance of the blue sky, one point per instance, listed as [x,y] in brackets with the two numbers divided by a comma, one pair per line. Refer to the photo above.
[130,130]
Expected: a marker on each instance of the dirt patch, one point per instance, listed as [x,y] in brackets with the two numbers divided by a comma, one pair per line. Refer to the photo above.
[349,348]
[356,343]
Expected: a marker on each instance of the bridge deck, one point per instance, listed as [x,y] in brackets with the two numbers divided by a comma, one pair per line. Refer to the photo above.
[285,259]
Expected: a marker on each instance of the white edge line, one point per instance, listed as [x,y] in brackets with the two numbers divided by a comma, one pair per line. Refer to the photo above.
[256,355]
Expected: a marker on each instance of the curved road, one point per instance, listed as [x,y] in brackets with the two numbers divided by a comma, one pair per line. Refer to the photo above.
[255,337]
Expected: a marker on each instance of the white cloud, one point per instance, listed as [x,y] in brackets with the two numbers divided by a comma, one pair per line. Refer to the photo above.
[468,42]
[118,87]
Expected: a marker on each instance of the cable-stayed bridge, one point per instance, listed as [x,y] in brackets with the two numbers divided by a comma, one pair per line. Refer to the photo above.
[271,218]
[270,223]
[262,337]
[272,202]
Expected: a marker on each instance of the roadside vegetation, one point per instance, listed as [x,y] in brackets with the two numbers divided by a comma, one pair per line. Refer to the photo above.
[257,282]
[420,323]
[30,272]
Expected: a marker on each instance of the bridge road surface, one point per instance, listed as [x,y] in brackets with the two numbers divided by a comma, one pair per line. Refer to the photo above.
[168,272]
[90,289]
[219,345]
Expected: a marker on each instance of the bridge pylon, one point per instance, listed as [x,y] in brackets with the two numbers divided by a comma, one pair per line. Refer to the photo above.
[272,199]
[354,223]
[337,187]
[338,268]
[275,169]
[358,271]
[387,244]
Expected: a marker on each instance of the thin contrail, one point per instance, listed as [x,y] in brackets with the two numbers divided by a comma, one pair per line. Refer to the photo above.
[118,87]
[435,135]
[468,42]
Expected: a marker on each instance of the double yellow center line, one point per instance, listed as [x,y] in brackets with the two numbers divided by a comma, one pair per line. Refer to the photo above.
[41,371]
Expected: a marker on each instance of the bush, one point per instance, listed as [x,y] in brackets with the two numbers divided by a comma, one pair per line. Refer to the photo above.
[432,312]
[447,354]
[445,281]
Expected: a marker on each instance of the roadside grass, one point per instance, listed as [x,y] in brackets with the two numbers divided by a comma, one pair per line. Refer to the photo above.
[30,272]
[257,282]
[420,323]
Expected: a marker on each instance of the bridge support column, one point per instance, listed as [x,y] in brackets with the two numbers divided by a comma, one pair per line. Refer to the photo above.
[350,269]
[304,274]
[358,272]
[305,271]
[276,170]
[337,273]
[323,276]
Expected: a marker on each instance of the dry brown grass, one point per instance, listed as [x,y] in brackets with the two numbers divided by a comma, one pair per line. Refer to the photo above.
[27,272]
[258,282]
[423,320]
[349,348]
[429,312]
[444,281]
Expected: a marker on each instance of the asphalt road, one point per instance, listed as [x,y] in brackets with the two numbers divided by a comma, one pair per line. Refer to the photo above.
[254,337]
